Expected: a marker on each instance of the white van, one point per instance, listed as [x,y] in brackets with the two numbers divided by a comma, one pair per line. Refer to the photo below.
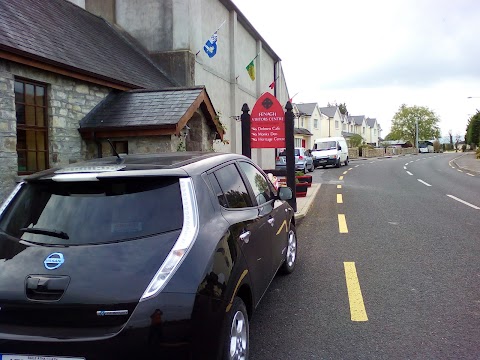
[330,151]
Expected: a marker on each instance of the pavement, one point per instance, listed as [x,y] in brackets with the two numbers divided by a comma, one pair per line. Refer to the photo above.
[465,161]
[468,163]
[304,203]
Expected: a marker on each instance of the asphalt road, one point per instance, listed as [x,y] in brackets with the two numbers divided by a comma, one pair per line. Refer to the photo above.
[399,279]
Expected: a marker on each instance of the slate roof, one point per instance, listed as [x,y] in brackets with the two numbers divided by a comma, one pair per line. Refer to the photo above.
[141,109]
[329,110]
[307,109]
[62,34]
[358,119]
[371,122]
[302,131]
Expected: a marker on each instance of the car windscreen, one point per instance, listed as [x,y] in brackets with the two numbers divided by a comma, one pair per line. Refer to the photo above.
[326,145]
[75,213]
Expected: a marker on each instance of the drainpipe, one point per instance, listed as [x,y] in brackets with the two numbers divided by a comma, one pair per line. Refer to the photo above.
[275,78]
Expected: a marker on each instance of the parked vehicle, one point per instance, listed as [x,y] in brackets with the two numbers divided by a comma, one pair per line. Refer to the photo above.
[330,151]
[159,256]
[303,160]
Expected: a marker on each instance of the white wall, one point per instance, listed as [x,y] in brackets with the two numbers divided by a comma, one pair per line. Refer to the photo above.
[226,78]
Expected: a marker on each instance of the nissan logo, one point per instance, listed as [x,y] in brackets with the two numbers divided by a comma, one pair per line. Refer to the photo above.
[54,261]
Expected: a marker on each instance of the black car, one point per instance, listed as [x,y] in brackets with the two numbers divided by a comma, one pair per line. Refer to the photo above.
[159,256]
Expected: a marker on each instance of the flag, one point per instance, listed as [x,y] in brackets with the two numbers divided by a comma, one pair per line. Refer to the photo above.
[251,69]
[210,46]
[272,85]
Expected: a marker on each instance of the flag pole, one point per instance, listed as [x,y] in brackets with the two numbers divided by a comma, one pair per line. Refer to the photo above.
[223,23]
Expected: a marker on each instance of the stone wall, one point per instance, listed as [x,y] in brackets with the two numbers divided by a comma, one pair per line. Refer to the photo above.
[69,100]
[353,153]
[141,145]
[370,153]
[8,138]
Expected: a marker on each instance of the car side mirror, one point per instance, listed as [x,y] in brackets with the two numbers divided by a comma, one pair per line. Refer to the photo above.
[339,147]
[285,193]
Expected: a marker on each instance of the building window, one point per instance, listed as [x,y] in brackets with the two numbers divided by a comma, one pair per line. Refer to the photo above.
[121,147]
[298,142]
[363,130]
[336,124]
[375,132]
[344,127]
[315,123]
[32,135]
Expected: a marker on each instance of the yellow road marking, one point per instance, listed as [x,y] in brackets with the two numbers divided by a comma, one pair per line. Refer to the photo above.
[357,307]
[345,172]
[339,199]
[340,178]
[342,224]
[350,169]
[339,186]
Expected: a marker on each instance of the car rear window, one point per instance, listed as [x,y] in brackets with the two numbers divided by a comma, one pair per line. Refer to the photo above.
[284,152]
[94,212]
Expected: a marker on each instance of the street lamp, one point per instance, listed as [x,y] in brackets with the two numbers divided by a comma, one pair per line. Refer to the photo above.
[416,133]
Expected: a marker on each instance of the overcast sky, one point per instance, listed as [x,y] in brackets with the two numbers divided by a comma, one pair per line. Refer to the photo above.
[376,55]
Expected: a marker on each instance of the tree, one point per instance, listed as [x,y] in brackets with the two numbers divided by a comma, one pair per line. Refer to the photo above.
[343,109]
[473,130]
[403,124]
[355,140]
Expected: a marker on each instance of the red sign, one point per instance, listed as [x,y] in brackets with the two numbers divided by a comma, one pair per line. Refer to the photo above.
[267,129]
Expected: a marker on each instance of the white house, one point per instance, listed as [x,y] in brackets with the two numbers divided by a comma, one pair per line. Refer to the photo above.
[334,122]
[316,123]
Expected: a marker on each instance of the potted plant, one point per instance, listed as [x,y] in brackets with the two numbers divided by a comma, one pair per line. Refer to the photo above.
[301,188]
[303,178]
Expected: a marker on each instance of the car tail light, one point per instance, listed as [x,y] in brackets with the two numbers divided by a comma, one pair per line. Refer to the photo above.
[300,157]
[183,244]
[277,158]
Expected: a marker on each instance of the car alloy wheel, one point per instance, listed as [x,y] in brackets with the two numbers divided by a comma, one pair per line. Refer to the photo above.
[291,252]
[291,249]
[237,341]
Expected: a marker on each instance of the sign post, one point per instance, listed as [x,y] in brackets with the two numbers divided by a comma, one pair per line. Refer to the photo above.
[246,143]
[290,153]
[270,127]
[268,124]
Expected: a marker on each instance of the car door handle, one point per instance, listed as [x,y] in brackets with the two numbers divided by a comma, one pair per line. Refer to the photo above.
[271,221]
[245,237]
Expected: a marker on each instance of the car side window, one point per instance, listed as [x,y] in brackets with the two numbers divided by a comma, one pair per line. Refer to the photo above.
[261,190]
[229,187]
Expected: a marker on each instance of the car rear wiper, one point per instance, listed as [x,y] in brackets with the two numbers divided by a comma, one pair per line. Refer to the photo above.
[55,233]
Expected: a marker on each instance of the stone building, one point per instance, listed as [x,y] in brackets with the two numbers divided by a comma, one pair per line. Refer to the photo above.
[174,33]
[70,80]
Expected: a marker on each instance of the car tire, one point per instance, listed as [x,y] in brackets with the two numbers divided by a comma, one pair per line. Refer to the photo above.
[324,166]
[346,161]
[236,330]
[291,252]
[338,164]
